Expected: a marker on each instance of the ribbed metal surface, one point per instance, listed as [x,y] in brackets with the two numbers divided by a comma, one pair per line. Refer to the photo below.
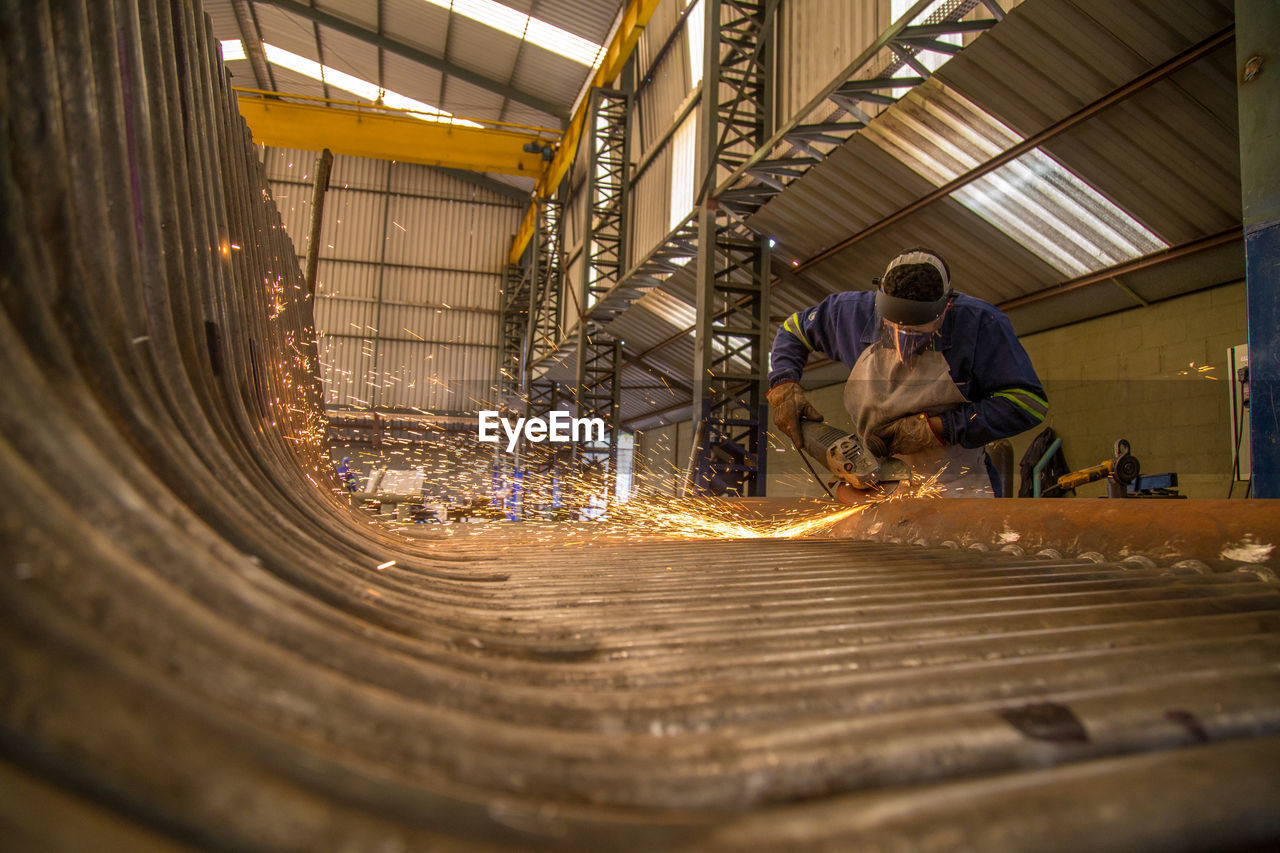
[444,245]
[223,17]
[469,44]
[283,30]
[408,77]
[351,55]
[482,48]
[651,206]
[1165,156]
[666,86]
[549,75]
[204,646]
[422,25]
[592,21]
[817,40]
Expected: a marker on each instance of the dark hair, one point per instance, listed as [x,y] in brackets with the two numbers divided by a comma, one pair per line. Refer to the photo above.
[920,282]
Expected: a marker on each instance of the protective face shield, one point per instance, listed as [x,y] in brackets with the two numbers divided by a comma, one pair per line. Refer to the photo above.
[910,340]
[910,324]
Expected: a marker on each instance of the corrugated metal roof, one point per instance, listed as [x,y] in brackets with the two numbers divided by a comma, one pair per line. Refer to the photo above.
[462,41]
[223,16]
[547,75]
[1045,61]
[1166,157]
[415,23]
[590,20]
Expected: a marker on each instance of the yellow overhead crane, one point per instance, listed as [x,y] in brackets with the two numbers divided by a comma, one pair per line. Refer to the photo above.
[365,130]
[621,46]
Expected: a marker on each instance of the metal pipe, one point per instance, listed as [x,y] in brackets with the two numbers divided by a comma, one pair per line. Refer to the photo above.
[321,186]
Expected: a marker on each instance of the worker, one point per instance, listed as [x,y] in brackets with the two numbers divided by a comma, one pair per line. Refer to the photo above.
[346,476]
[935,375]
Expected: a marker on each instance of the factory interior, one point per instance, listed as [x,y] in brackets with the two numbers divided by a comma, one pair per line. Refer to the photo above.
[445,425]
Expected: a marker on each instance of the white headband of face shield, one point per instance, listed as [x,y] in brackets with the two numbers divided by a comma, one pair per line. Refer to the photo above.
[922,258]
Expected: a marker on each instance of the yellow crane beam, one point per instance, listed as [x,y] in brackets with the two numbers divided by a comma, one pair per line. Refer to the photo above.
[350,128]
[620,48]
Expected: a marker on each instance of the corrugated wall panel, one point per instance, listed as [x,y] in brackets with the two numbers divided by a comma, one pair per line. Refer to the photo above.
[444,378]
[348,280]
[817,39]
[294,203]
[445,246]
[437,325]
[662,96]
[353,226]
[344,316]
[451,235]
[414,179]
[358,173]
[289,164]
[651,205]
[661,23]
[345,365]
[457,290]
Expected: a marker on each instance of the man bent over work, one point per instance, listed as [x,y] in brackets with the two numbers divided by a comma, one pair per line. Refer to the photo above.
[935,375]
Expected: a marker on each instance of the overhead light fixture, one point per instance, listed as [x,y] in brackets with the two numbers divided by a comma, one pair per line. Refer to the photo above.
[518,24]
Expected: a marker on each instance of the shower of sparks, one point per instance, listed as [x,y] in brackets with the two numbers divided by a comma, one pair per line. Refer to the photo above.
[426,371]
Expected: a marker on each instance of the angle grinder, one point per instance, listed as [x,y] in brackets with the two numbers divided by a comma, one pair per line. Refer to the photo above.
[859,471]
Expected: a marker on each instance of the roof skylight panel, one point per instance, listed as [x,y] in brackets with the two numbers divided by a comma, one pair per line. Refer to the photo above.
[521,26]
[671,308]
[232,49]
[1035,200]
[359,87]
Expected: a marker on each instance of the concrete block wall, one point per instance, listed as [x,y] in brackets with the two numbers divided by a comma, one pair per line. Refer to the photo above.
[1155,375]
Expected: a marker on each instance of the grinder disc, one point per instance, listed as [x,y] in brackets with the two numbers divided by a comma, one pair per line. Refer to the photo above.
[894,474]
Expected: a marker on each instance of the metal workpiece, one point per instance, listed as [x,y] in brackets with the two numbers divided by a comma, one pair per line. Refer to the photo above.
[1181,536]
[202,644]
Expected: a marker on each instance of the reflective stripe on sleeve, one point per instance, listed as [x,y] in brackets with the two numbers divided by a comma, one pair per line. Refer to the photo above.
[1028,400]
[792,325]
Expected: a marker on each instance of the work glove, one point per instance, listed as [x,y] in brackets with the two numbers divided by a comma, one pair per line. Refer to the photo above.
[789,406]
[909,435]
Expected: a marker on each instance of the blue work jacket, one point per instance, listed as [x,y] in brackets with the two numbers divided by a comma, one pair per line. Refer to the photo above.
[985,359]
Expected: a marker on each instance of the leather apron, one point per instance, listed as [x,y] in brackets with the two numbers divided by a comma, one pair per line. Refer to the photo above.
[881,389]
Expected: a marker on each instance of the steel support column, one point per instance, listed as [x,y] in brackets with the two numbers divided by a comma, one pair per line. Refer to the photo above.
[1258,77]
[730,346]
[599,356]
[509,387]
[539,464]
